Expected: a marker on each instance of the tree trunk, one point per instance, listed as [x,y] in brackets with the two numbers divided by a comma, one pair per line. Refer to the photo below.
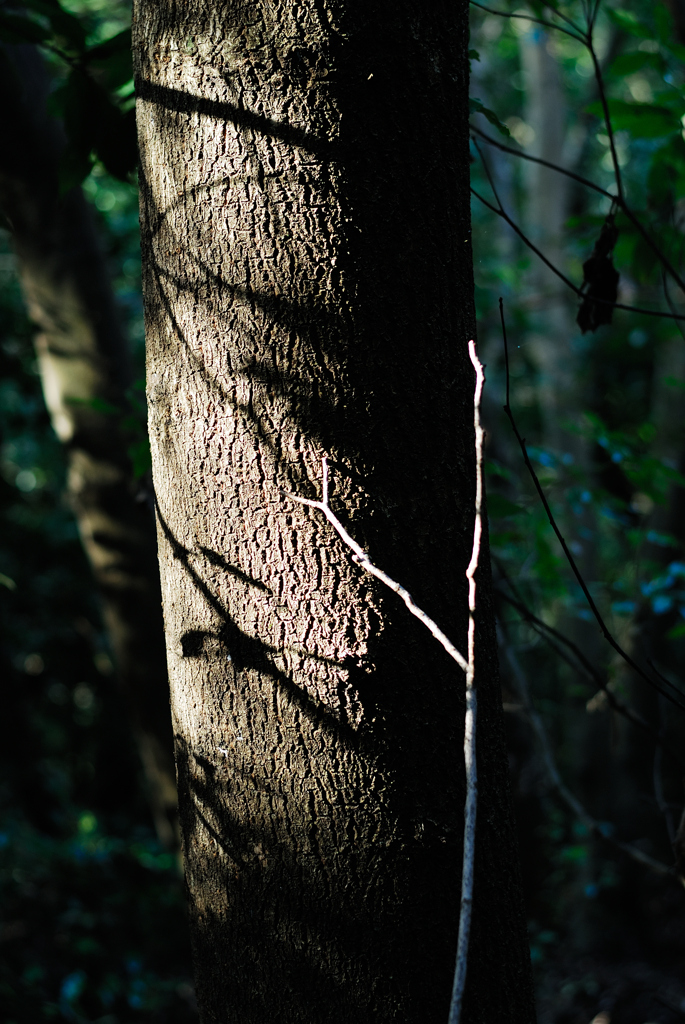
[308,290]
[83,361]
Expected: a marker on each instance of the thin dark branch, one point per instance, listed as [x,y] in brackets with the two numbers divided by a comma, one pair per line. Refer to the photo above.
[529,17]
[574,288]
[607,117]
[564,17]
[601,829]
[618,200]
[557,640]
[545,163]
[491,180]
[672,307]
[593,16]
[676,697]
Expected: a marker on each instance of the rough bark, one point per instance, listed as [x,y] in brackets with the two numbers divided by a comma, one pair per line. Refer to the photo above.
[308,290]
[83,359]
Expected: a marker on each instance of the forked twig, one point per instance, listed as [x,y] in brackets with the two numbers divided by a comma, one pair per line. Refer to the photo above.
[669,691]
[501,212]
[360,556]
[600,828]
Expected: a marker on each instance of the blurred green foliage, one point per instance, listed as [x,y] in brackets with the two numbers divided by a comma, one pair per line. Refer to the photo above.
[92,920]
[612,472]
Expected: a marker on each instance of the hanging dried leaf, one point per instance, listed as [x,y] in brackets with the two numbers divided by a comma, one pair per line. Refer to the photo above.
[600,281]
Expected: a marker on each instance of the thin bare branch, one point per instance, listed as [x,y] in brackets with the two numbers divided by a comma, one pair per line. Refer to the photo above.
[618,200]
[574,288]
[471,804]
[361,557]
[545,163]
[607,116]
[529,17]
[599,828]
[564,17]
[557,641]
[676,697]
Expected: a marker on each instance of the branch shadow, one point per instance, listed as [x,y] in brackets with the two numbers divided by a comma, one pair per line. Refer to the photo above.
[247,652]
[180,101]
[297,928]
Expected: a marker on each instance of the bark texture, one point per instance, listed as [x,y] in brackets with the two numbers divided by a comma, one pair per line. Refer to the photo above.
[83,359]
[308,290]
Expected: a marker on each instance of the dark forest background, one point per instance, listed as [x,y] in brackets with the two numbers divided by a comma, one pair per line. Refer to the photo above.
[91,903]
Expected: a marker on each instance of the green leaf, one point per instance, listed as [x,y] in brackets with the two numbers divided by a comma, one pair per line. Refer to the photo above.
[17,30]
[65,25]
[630,63]
[629,22]
[475,106]
[141,459]
[474,55]
[111,61]
[642,120]
[499,506]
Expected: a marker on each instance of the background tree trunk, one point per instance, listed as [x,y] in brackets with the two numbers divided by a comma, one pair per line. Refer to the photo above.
[83,360]
[308,289]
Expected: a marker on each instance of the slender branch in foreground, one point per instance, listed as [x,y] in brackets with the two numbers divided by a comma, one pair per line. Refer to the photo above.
[501,212]
[471,804]
[676,697]
[468,667]
[361,557]
[600,828]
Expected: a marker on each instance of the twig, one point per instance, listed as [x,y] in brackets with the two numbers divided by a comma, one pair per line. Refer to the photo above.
[608,636]
[599,828]
[539,160]
[574,288]
[594,14]
[619,201]
[556,639]
[470,807]
[537,21]
[468,667]
[607,117]
[361,557]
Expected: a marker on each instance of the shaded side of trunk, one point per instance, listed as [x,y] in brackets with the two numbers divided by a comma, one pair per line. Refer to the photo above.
[83,360]
[308,289]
